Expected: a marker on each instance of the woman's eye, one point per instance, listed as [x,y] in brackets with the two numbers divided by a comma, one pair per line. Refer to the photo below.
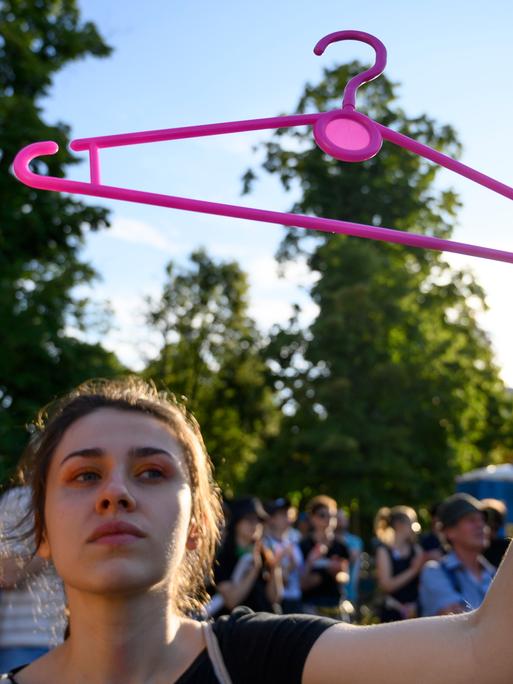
[151,474]
[88,476]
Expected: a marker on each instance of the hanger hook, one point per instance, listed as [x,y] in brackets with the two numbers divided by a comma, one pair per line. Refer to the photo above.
[376,69]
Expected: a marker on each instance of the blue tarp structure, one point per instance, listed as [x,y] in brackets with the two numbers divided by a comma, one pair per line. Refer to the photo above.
[492,482]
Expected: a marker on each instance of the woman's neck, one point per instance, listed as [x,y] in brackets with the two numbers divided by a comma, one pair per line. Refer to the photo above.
[124,640]
[244,544]
[402,544]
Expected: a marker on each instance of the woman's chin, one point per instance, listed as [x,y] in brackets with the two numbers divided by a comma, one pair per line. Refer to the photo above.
[119,577]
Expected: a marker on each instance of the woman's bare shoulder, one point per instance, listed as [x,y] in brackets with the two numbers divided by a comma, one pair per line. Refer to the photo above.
[44,670]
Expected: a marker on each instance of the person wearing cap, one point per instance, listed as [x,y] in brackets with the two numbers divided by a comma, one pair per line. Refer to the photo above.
[245,572]
[279,540]
[458,582]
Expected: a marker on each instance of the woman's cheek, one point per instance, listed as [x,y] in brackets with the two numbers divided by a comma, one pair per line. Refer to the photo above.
[62,527]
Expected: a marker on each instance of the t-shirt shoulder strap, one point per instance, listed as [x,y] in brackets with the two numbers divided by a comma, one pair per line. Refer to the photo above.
[451,575]
[215,655]
[9,677]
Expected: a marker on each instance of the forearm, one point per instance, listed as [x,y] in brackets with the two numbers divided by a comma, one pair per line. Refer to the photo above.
[234,593]
[274,587]
[391,584]
[310,580]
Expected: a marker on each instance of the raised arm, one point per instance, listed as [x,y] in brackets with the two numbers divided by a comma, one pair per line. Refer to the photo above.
[473,648]
[235,590]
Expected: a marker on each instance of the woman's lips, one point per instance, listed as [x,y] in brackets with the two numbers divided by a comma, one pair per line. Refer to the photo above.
[116,532]
[117,539]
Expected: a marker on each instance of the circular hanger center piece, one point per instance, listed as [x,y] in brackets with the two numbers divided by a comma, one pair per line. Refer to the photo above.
[347,135]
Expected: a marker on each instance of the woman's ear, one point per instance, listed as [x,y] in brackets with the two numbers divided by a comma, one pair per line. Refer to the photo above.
[192,538]
[43,550]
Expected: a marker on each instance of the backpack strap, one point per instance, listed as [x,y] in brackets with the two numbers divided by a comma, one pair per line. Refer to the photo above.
[451,575]
[215,655]
[453,578]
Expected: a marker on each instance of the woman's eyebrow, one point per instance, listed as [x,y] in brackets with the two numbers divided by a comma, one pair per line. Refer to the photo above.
[142,452]
[135,452]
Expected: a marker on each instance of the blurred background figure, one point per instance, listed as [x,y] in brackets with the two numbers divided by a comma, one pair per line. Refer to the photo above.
[496,513]
[326,566]
[458,582]
[430,541]
[302,525]
[245,572]
[399,560]
[280,539]
[32,603]
[355,547]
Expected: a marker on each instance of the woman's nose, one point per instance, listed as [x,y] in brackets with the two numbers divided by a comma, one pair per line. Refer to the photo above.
[115,495]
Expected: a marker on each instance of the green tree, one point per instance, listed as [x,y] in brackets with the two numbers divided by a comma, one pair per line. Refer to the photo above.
[392,390]
[211,355]
[40,233]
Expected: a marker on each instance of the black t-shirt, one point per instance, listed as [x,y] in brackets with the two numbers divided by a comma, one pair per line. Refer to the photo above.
[258,647]
[495,552]
[430,541]
[409,592]
[328,590]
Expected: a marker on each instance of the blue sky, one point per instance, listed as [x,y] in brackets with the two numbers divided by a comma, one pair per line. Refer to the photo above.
[179,63]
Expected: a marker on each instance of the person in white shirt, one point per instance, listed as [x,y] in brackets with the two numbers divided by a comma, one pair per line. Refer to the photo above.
[279,539]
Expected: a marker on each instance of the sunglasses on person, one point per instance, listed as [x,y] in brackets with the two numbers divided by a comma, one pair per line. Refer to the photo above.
[325,515]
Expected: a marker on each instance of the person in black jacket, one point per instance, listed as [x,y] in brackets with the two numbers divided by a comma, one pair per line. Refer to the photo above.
[245,572]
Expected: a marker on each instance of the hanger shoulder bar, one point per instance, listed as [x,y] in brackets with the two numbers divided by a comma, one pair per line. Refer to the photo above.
[120,140]
[23,172]
[443,160]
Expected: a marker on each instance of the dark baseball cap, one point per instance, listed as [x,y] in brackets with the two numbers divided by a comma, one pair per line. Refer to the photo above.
[281,504]
[245,507]
[457,506]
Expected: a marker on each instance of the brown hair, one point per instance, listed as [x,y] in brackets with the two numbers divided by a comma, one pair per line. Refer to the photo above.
[134,394]
[387,518]
[319,502]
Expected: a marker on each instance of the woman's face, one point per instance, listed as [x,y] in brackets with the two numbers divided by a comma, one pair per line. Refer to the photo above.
[115,468]
[324,519]
[248,530]
[406,528]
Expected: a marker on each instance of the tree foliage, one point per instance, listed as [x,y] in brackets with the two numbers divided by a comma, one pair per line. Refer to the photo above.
[211,356]
[392,390]
[40,232]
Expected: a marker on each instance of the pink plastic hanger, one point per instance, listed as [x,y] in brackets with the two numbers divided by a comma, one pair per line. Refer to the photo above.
[343,133]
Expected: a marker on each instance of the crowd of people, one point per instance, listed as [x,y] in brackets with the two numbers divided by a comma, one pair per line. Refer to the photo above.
[277,560]
[119,500]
